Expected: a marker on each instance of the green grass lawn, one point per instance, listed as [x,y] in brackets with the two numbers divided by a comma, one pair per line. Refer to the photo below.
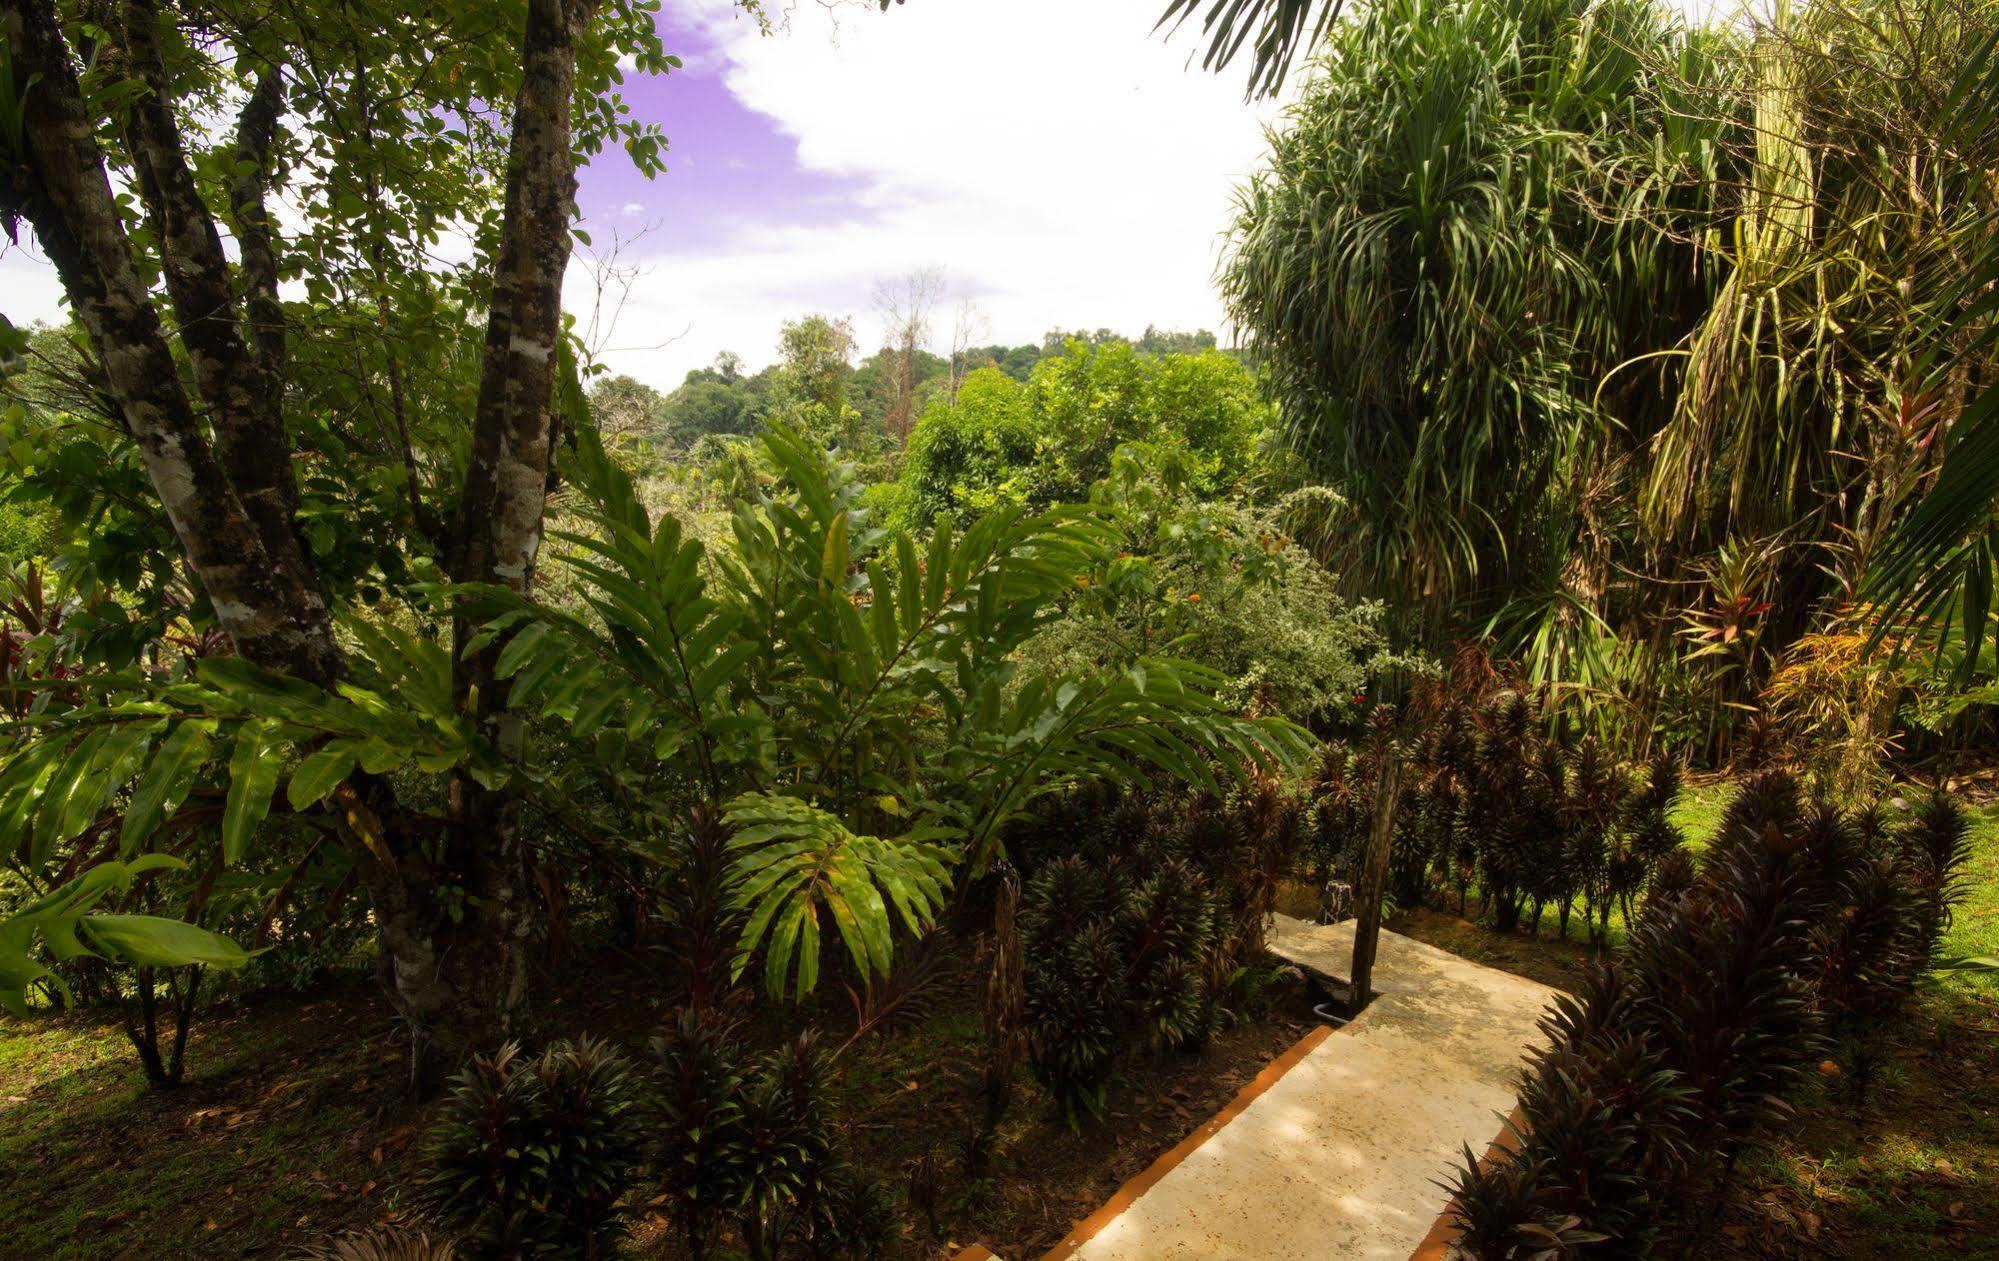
[1974,928]
[284,1114]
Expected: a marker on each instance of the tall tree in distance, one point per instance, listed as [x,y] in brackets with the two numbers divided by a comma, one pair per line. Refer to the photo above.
[816,354]
[905,305]
[968,325]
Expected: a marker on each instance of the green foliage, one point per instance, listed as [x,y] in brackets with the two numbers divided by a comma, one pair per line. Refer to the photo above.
[1143,928]
[67,924]
[698,1147]
[192,758]
[25,533]
[856,697]
[1586,316]
[1675,1056]
[1498,795]
[157,737]
[1277,31]
[792,859]
[1429,284]
[713,402]
[1051,438]
[530,1156]
[1938,566]
[1216,581]
[754,1142]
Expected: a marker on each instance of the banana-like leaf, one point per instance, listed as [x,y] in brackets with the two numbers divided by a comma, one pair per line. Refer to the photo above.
[166,781]
[154,941]
[66,923]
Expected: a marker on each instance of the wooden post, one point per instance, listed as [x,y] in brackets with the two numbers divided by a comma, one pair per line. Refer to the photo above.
[1374,874]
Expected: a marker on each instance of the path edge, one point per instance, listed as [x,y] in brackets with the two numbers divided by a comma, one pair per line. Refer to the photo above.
[1126,1195]
[1443,1237]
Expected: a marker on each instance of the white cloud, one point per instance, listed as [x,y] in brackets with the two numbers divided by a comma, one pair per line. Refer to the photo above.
[1062,163]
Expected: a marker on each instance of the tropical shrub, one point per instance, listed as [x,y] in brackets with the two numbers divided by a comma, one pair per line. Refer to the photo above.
[531,1155]
[1075,983]
[1635,366]
[1935,845]
[857,701]
[1496,796]
[1216,581]
[1144,930]
[68,924]
[1676,1055]
[753,1142]
[1049,439]
[697,1149]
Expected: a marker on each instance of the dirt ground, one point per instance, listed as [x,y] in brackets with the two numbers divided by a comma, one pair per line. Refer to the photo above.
[295,1124]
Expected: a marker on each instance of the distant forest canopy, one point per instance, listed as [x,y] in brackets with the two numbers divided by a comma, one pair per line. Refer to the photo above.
[818,366]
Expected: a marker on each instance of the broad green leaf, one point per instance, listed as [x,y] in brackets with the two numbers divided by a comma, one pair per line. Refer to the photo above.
[253,776]
[166,782]
[319,774]
[149,940]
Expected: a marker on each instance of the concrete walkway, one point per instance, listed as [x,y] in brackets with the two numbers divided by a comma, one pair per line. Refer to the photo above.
[1341,1152]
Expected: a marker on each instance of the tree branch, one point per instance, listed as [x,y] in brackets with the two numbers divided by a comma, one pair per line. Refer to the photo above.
[250,221]
[61,187]
[248,431]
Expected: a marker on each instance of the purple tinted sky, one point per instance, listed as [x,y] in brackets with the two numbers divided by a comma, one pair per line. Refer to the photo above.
[729,168]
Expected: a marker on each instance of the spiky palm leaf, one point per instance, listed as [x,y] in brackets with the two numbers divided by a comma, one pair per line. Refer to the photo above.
[1281,30]
[1938,567]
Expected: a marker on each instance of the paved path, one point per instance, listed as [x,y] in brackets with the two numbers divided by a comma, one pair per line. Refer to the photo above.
[1340,1155]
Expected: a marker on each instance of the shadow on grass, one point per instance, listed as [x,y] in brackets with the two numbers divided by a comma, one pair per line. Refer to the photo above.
[291,1115]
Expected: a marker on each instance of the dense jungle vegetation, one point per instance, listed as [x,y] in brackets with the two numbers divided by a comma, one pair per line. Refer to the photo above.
[632,794]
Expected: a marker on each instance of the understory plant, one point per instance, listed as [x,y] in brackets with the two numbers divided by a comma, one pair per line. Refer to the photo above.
[847,704]
[1218,581]
[1144,929]
[752,1141]
[853,700]
[1499,795]
[532,1155]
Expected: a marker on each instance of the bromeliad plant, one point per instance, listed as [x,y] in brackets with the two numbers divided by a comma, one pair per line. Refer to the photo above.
[532,1155]
[856,697]
[1682,1050]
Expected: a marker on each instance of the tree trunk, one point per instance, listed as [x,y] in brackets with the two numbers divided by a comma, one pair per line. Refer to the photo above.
[1374,875]
[268,601]
[497,533]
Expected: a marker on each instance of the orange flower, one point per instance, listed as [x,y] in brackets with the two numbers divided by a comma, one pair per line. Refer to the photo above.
[1194,598]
